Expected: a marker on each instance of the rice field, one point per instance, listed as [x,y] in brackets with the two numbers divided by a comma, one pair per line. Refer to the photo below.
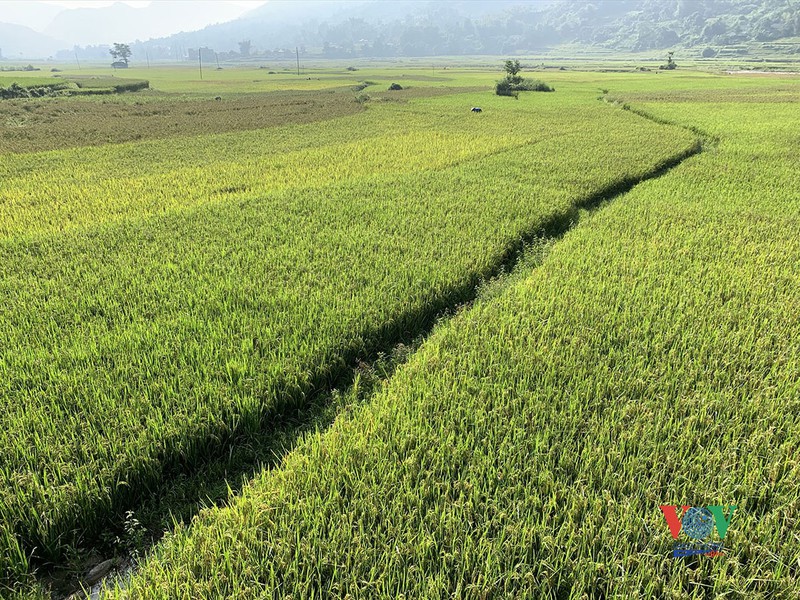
[524,450]
[162,296]
[159,297]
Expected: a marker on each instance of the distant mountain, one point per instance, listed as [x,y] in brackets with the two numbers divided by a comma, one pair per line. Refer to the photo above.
[417,28]
[356,27]
[18,41]
[120,22]
[31,14]
[390,28]
[651,24]
[297,11]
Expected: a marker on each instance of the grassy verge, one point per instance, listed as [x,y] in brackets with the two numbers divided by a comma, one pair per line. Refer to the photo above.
[525,449]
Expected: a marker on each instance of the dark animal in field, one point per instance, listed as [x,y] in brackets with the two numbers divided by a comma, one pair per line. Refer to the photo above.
[218,98]
[476,109]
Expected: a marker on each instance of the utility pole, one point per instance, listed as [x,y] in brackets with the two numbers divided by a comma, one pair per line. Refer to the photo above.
[217,57]
[297,51]
[200,57]
[77,61]
[147,56]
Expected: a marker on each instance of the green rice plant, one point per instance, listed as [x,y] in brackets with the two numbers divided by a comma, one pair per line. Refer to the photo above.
[117,84]
[525,449]
[158,298]
[16,90]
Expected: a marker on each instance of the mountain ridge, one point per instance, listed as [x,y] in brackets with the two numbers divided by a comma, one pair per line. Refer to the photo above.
[403,28]
[382,28]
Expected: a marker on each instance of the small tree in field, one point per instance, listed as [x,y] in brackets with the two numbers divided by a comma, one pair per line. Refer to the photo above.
[512,69]
[513,82]
[121,52]
[670,63]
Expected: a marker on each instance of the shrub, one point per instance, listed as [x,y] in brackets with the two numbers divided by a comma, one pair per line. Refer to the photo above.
[508,87]
[671,65]
[504,88]
[533,85]
[513,82]
[395,87]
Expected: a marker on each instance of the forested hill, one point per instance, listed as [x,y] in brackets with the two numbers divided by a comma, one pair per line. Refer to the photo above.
[649,24]
[404,28]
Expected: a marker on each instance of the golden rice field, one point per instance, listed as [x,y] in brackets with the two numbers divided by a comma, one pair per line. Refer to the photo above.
[632,243]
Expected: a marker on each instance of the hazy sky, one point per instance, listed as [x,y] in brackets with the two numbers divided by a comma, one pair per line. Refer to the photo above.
[39,15]
[247,4]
